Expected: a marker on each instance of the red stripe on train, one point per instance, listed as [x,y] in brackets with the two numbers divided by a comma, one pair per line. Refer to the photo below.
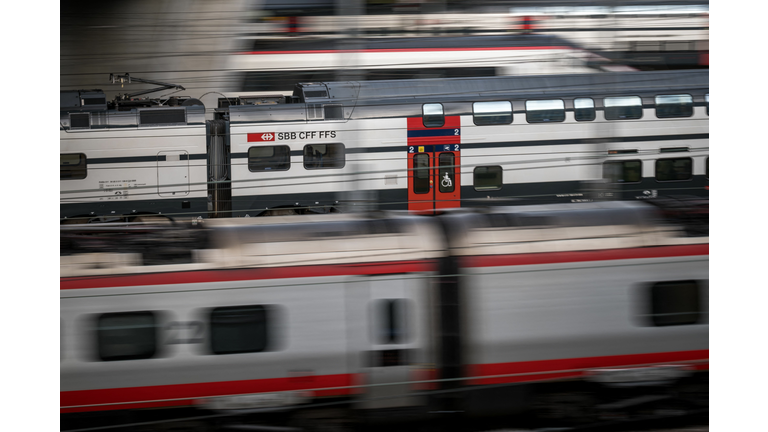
[582,256]
[497,373]
[205,276]
[186,394]
[540,370]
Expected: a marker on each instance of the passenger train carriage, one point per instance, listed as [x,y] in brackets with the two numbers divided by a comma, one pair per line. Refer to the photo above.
[420,145]
[366,318]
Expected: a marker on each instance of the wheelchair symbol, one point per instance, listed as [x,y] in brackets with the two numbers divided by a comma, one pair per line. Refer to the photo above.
[446,182]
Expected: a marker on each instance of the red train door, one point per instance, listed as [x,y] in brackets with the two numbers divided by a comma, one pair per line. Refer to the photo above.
[434,174]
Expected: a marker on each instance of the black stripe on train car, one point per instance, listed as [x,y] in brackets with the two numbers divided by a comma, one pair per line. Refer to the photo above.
[347,150]
[136,159]
[585,141]
[401,148]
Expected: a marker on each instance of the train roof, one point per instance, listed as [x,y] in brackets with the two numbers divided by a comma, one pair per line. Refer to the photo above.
[508,85]
[367,238]
[574,227]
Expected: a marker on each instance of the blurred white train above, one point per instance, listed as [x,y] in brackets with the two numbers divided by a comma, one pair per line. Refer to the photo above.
[358,319]
[653,36]
[418,145]
[276,64]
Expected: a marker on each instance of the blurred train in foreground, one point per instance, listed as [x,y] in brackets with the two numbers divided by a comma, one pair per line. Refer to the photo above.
[568,311]
[420,145]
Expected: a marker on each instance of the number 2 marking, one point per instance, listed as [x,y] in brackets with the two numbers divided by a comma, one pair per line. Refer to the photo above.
[455,131]
[194,332]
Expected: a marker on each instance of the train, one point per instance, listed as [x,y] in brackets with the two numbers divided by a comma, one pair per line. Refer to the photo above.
[277,64]
[422,145]
[569,313]
[644,36]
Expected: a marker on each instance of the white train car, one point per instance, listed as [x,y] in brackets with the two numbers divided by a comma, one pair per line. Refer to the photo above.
[355,320]
[426,145]
[275,65]
[141,158]
[420,145]
[558,301]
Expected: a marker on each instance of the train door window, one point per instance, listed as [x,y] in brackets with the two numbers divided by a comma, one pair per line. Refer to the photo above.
[74,166]
[433,115]
[80,121]
[675,303]
[446,171]
[674,169]
[628,171]
[669,106]
[126,336]
[487,178]
[269,158]
[584,109]
[323,156]
[238,329]
[421,173]
[492,113]
[623,108]
[541,111]
[393,323]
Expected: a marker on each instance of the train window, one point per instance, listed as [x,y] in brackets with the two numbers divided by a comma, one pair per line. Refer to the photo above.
[126,336]
[540,111]
[706,98]
[74,166]
[628,171]
[674,169]
[668,106]
[623,108]
[333,112]
[675,303]
[269,158]
[487,178]
[432,115]
[80,121]
[446,171]
[238,329]
[421,173]
[322,156]
[163,117]
[393,323]
[584,109]
[492,113]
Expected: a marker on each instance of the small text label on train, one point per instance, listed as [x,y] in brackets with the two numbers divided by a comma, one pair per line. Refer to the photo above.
[283,136]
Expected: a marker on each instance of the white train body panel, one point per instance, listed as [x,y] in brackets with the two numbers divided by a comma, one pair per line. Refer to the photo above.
[171,174]
[580,310]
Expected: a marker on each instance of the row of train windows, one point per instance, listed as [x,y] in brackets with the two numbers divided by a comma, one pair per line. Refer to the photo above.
[231,330]
[246,329]
[553,110]
[265,158]
[278,158]
[320,156]
[487,178]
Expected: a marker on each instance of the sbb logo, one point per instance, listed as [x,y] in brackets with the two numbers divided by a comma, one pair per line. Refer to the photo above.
[264,136]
